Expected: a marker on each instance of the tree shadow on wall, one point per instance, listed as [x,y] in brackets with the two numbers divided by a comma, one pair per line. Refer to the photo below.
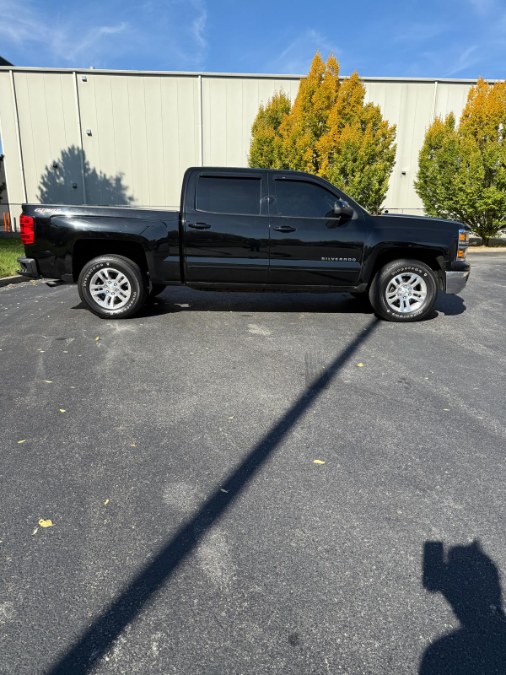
[70,179]
[470,582]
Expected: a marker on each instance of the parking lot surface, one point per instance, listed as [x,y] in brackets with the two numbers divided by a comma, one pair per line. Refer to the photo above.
[246,484]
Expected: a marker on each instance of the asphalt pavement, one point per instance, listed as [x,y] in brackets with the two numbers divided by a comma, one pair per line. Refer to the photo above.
[253,484]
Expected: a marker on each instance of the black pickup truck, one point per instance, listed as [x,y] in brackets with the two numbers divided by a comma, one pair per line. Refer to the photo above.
[249,230]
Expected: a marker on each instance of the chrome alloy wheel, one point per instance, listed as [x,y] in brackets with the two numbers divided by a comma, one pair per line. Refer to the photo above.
[406,292]
[110,288]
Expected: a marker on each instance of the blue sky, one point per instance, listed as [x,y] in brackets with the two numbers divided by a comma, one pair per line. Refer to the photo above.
[445,38]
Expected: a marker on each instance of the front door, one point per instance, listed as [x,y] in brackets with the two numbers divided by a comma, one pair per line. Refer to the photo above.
[310,245]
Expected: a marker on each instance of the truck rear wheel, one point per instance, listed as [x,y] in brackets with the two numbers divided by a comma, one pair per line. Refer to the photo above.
[112,286]
[403,290]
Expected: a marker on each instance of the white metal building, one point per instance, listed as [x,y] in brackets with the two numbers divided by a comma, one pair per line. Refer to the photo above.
[121,137]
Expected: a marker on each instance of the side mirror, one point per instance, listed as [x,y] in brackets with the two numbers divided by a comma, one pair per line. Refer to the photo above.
[343,210]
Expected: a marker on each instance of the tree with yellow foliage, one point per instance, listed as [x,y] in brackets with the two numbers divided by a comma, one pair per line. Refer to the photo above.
[307,121]
[357,152]
[265,150]
[462,169]
[330,131]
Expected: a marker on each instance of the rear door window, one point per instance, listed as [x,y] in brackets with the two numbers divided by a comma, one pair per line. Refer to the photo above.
[229,194]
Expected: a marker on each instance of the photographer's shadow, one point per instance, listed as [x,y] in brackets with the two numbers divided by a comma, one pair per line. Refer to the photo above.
[469,580]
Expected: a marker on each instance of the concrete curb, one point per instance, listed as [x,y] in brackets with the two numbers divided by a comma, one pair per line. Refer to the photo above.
[486,249]
[6,281]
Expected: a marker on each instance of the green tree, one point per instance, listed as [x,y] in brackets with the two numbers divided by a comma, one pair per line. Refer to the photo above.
[266,145]
[329,131]
[462,168]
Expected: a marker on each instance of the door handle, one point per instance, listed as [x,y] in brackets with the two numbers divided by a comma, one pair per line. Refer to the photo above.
[285,228]
[199,226]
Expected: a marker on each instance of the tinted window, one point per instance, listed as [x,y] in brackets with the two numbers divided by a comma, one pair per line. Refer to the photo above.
[305,200]
[224,194]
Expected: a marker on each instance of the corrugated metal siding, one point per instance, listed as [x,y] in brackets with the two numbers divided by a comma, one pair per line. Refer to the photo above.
[48,125]
[412,106]
[12,164]
[127,138]
[143,134]
[230,106]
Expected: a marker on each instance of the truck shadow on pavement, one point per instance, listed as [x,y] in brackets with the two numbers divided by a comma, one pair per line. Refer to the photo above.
[470,581]
[85,655]
[186,299]
[450,305]
[189,300]
[209,301]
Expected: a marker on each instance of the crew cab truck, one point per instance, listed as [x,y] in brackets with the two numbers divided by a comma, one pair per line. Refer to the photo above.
[247,230]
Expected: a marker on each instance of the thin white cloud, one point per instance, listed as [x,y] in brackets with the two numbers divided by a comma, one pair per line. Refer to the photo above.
[483,6]
[418,32]
[298,54]
[25,26]
[101,35]
[466,59]
[91,46]
[18,24]
[199,24]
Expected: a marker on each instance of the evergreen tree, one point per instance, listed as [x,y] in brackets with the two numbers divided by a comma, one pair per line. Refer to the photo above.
[462,169]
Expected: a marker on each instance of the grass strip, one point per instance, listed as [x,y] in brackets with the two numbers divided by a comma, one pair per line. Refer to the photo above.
[10,250]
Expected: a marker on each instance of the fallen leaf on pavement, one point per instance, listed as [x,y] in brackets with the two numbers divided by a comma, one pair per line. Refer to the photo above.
[46,523]
[360,365]
[62,410]
[22,441]
[106,502]
[318,461]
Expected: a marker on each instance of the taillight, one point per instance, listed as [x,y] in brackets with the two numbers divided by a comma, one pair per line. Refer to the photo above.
[27,227]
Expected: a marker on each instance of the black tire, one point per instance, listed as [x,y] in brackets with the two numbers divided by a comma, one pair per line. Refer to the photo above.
[124,290]
[404,290]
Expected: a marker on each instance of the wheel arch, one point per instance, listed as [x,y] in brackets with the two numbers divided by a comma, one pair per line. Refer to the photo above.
[433,258]
[86,249]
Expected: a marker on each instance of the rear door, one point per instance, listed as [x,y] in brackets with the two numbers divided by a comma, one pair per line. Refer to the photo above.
[310,246]
[226,228]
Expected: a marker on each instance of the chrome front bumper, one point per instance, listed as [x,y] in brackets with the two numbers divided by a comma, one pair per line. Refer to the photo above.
[455,281]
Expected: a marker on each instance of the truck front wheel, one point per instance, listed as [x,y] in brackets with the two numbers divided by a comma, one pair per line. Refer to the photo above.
[403,290]
[112,286]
